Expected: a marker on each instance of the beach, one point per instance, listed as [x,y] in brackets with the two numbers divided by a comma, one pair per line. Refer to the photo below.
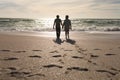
[40,56]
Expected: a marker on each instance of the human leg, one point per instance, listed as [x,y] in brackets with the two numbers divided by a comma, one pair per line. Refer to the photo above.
[68,34]
[57,34]
[58,31]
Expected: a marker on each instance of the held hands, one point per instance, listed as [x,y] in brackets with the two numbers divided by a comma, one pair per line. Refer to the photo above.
[70,27]
[53,27]
[62,26]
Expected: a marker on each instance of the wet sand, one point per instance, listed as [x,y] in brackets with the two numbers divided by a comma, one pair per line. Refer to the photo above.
[40,56]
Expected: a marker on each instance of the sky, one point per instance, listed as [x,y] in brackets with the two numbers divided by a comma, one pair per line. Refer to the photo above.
[51,8]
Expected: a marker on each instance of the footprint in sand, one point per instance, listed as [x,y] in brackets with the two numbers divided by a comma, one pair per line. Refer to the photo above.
[91,62]
[66,72]
[37,50]
[19,51]
[109,54]
[61,61]
[79,51]
[64,55]
[77,57]
[105,71]
[55,51]
[57,56]
[52,65]
[115,69]
[12,58]
[18,74]
[97,49]
[77,68]
[35,56]
[68,50]
[94,56]
[5,50]
[39,74]
[22,74]
[11,68]
[83,50]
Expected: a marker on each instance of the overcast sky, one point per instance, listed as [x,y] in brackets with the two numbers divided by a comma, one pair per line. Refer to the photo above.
[50,8]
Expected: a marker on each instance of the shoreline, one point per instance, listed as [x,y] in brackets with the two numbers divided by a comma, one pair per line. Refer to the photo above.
[33,33]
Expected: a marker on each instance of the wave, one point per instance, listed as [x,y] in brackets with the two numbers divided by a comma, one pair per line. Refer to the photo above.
[21,24]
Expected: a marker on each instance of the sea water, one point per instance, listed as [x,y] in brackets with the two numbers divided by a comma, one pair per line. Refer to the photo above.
[23,24]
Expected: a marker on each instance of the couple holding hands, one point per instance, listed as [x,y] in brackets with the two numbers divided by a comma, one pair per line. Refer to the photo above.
[66,26]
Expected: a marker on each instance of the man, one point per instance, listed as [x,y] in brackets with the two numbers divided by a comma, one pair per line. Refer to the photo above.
[67,26]
[57,24]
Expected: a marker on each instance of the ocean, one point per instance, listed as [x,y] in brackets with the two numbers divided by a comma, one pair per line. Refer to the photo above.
[37,25]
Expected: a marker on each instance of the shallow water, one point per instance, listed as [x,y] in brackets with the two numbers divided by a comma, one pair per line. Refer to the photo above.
[37,25]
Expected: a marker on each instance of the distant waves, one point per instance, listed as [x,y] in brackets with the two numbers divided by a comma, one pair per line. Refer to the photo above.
[21,24]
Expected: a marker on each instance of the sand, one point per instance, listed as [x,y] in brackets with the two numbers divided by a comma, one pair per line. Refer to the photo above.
[39,56]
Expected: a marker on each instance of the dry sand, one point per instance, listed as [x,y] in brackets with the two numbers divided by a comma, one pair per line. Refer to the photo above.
[39,56]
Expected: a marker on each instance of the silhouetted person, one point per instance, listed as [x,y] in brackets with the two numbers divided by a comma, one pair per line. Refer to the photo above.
[57,24]
[67,26]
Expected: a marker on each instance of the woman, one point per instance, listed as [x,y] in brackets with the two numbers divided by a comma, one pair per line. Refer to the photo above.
[67,26]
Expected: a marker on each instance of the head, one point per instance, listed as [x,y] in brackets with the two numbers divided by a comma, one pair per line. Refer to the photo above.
[66,16]
[57,16]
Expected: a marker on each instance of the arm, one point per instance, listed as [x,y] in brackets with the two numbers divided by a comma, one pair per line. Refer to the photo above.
[63,25]
[53,24]
[70,25]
